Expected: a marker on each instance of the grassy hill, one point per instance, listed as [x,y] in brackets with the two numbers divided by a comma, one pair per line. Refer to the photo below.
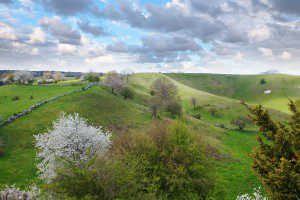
[234,170]
[102,108]
[246,87]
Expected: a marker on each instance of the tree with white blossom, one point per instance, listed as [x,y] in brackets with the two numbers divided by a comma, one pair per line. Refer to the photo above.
[70,139]
[23,77]
[256,196]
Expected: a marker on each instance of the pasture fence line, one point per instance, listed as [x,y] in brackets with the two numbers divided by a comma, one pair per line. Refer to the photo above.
[16,116]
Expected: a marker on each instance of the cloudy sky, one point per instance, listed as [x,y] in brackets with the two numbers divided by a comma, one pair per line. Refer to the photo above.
[217,36]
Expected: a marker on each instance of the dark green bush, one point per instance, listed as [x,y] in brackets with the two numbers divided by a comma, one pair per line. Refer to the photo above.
[174,108]
[15,98]
[127,93]
[91,77]
[197,116]
[263,81]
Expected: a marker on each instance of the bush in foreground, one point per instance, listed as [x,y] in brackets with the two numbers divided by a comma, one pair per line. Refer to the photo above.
[166,162]
[276,162]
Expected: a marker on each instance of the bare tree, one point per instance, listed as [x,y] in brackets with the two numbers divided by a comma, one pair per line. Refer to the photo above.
[164,89]
[114,81]
[193,102]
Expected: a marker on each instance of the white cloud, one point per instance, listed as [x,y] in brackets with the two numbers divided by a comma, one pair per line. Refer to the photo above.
[38,36]
[34,51]
[97,61]
[265,52]
[259,34]
[238,57]
[7,32]
[66,49]
[18,44]
[85,40]
[285,56]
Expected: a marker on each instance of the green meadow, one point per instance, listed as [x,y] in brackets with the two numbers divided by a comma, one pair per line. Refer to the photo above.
[101,108]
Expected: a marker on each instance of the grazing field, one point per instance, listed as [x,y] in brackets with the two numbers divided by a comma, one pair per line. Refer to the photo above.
[28,95]
[102,108]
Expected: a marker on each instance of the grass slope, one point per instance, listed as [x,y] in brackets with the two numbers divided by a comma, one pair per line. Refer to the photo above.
[96,105]
[246,87]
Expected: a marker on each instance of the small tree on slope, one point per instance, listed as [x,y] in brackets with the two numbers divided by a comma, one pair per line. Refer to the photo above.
[70,139]
[276,159]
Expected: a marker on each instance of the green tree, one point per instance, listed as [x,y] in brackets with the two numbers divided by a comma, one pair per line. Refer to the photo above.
[276,159]
[127,93]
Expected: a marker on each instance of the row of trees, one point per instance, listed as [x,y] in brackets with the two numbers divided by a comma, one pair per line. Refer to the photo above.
[27,77]
[167,161]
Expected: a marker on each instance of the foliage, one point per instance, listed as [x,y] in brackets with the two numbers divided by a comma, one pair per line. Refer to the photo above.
[174,108]
[167,161]
[15,98]
[262,81]
[241,122]
[70,139]
[197,116]
[127,93]
[1,147]
[91,77]
[256,196]
[58,76]
[193,102]
[114,81]
[23,77]
[276,161]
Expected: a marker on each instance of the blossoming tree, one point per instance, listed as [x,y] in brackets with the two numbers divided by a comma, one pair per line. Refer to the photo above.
[70,139]
[23,77]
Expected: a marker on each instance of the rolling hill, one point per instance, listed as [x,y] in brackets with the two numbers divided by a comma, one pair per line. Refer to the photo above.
[111,111]
[246,87]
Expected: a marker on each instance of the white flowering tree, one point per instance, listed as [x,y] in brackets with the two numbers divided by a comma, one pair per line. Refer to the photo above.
[256,196]
[70,139]
[23,77]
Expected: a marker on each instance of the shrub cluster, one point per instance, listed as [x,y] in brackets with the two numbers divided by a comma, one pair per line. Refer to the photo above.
[91,77]
[167,161]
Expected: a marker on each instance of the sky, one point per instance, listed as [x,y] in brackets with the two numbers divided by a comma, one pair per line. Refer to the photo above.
[216,36]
